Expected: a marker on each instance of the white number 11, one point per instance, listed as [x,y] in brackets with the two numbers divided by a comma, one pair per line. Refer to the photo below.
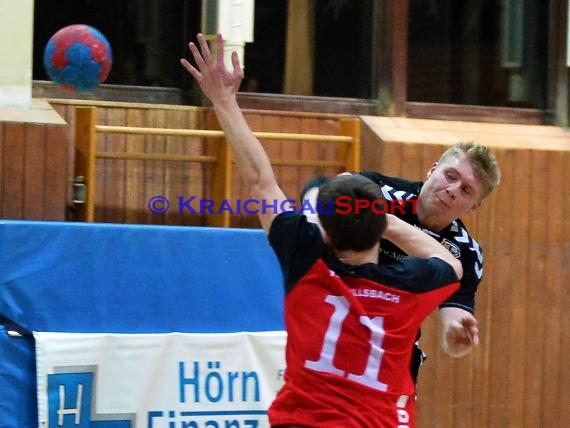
[325,363]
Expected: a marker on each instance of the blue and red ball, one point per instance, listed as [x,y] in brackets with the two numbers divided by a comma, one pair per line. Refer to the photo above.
[78,57]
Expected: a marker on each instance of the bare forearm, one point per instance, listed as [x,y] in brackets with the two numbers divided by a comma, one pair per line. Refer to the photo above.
[251,160]
[416,243]
[220,86]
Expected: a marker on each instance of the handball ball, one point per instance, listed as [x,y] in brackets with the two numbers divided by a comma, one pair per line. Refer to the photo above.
[78,57]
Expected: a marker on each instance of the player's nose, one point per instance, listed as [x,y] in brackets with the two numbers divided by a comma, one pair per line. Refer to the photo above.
[451,190]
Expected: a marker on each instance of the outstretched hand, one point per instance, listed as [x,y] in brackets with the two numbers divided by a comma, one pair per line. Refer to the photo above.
[217,82]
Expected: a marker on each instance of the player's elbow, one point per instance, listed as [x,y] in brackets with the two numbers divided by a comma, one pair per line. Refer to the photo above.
[453,262]
[259,181]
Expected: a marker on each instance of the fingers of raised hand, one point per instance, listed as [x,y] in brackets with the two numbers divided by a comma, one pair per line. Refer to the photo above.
[236,65]
[219,48]
[195,73]
[206,55]
[197,55]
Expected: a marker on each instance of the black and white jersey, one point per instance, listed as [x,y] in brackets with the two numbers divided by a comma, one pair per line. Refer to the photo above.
[454,237]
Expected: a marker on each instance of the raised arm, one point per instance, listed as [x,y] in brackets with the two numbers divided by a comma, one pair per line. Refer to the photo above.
[220,86]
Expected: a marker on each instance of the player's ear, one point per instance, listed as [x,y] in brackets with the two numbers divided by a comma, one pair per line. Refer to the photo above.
[474,207]
[431,170]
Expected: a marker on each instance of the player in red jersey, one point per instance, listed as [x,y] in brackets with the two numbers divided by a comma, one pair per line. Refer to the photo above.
[350,322]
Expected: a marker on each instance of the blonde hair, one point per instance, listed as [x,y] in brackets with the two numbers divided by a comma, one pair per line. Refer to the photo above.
[484,163]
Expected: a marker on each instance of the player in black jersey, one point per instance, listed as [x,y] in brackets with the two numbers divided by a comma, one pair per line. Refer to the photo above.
[465,174]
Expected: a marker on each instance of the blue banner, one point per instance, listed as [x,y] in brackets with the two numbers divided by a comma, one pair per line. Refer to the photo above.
[114,278]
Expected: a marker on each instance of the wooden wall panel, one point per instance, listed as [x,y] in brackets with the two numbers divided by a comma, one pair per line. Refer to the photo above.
[514,303]
[125,187]
[135,169]
[563,368]
[183,179]
[13,167]
[519,374]
[111,172]
[33,171]
[536,307]
[56,183]
[553,289]
[154,170]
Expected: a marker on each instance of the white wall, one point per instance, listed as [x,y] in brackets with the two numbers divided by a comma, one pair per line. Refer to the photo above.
[16,46]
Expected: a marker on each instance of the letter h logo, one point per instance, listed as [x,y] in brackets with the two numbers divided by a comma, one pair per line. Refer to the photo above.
[71,403]
[69,399]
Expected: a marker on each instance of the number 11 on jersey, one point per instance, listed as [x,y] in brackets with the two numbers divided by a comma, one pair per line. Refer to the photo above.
[325,362]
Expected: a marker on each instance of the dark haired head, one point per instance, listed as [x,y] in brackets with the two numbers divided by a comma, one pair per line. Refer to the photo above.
[350,226]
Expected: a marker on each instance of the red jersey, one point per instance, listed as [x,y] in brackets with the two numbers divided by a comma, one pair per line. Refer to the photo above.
[350,332]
